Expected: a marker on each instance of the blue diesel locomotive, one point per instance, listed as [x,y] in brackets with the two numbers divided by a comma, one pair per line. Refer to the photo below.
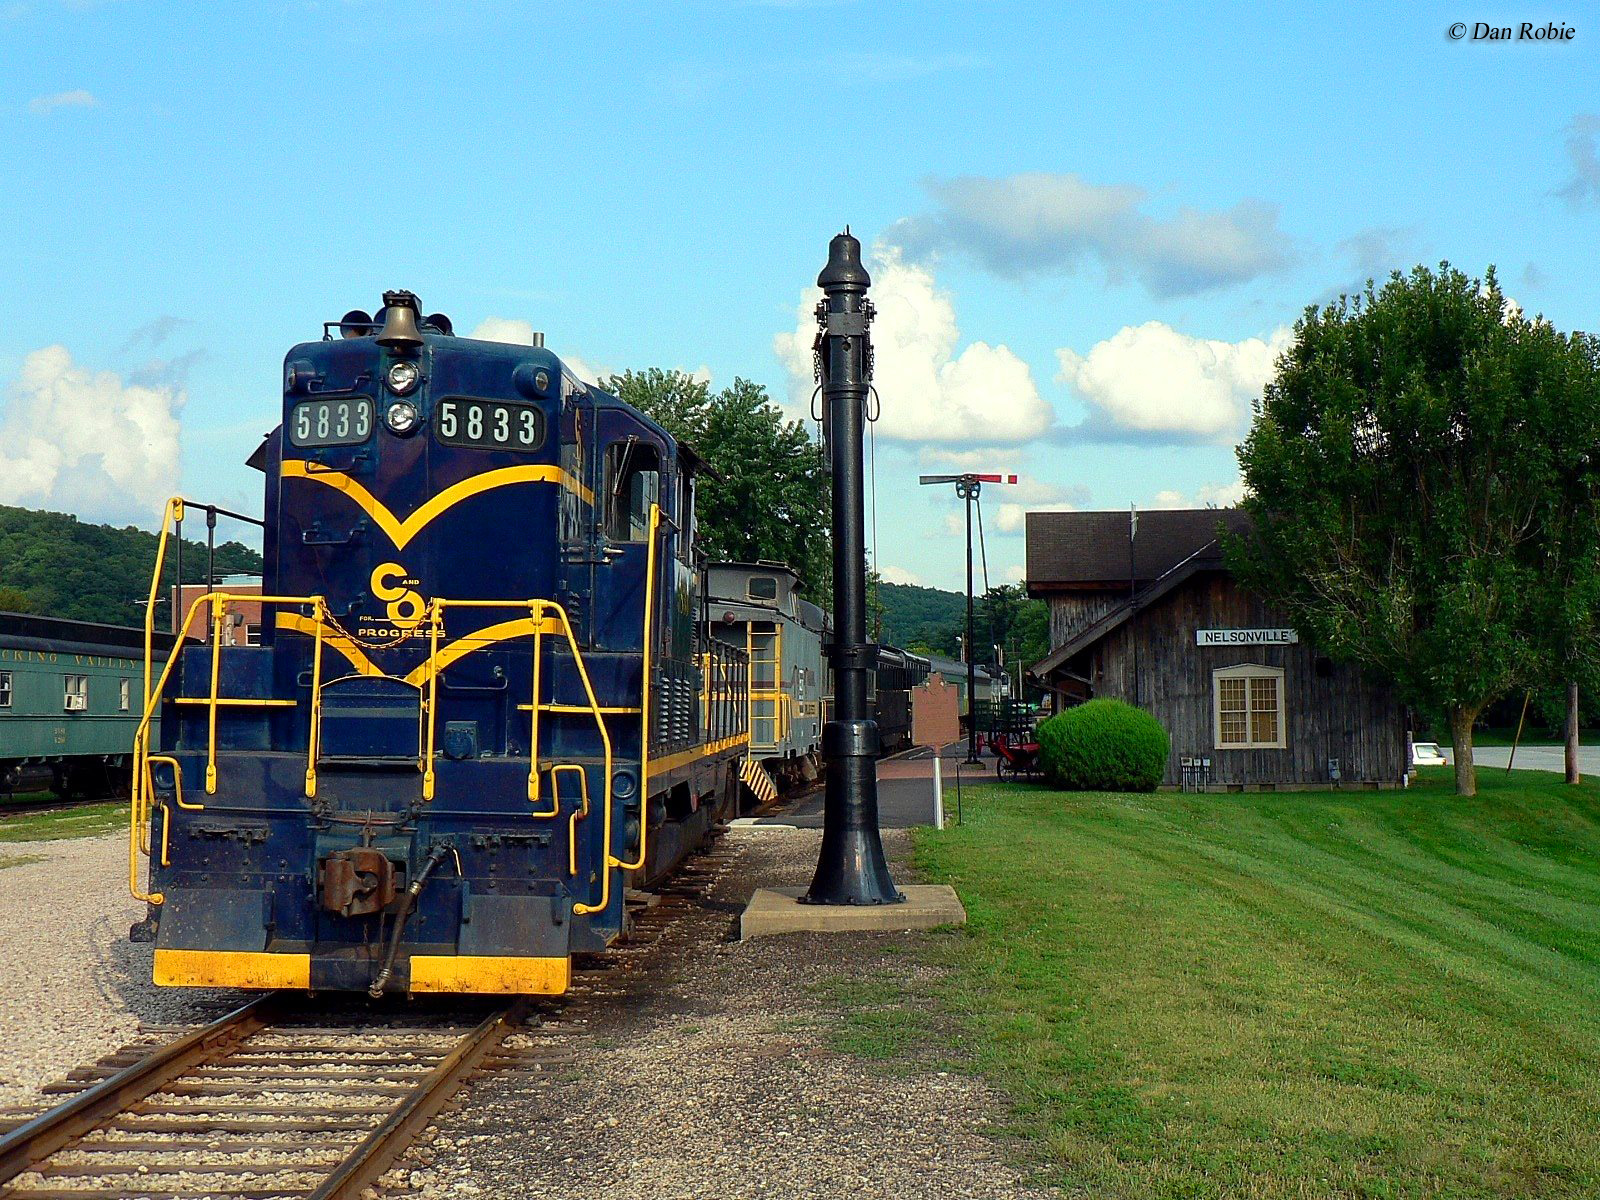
[485,702]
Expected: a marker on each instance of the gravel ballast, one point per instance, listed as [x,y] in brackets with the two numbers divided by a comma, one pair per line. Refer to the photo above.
[698,1067]
[715,1076]
[76,989]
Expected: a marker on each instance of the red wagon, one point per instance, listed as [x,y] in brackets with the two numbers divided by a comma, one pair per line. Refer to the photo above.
[1016,755]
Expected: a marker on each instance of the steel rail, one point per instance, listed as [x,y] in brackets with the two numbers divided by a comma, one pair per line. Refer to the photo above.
[367,1163]
[41,1137]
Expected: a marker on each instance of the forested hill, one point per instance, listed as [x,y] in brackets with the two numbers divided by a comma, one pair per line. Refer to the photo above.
[54,564]
[921,616]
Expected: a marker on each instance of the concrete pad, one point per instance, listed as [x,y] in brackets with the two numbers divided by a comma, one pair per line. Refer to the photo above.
[778,910]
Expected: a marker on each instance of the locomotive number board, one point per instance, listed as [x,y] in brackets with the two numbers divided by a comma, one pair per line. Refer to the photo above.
[331,421]
[488,424]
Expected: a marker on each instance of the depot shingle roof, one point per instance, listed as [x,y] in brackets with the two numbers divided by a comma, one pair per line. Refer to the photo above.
[1087,548]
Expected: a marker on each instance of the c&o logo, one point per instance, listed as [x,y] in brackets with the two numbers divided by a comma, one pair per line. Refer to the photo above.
[405,605]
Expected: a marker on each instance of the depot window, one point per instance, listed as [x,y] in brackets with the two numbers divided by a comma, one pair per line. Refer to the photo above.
[632,485]
[1248,707]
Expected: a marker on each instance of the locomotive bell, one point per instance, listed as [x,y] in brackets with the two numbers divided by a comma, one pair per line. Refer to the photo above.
[400,330]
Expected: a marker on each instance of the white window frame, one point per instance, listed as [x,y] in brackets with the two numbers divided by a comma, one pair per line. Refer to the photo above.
[1248,672]
[125,696]
[5,689]
[75,687]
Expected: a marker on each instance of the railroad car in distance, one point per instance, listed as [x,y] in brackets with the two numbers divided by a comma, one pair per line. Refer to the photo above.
[757,608]
[485,700]
[889,694]
[70,700]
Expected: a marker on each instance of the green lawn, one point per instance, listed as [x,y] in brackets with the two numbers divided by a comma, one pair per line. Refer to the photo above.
[1287,995]
[49,825]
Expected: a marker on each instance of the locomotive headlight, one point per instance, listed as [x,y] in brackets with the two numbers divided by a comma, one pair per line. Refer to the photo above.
[401,417]
[403,376]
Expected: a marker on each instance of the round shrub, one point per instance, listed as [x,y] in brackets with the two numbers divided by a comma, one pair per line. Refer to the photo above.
[1104,746]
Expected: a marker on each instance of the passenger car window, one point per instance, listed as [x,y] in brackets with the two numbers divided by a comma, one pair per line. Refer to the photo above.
[632,485]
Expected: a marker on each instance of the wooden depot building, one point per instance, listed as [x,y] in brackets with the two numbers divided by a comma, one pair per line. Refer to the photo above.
[1160,622]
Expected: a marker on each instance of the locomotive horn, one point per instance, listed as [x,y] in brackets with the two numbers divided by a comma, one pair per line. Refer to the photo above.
[400,312]
[355,323]
[851,868]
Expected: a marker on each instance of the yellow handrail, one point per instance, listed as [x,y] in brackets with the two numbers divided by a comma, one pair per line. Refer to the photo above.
[173,511]
[644,691]
[219,611]
[538,609]
[555,806]
[435,624]
[533,733]
[139,806]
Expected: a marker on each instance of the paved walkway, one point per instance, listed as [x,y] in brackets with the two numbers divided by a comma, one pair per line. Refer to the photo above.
[1536,758]
[905,791]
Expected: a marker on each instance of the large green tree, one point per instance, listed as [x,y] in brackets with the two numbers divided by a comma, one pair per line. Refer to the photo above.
[1422,477]
[769,498]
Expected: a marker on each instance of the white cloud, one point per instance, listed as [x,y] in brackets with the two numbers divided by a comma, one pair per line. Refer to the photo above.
[929,392]
[41,106]
[1038,222]
[1207,495]
[514,331]
[892,574]
[88,442]
[1150,380]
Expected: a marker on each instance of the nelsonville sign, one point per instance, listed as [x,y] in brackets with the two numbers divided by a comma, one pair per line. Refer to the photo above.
[1245,637]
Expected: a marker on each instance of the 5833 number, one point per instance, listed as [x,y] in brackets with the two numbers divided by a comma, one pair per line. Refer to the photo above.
[489,424]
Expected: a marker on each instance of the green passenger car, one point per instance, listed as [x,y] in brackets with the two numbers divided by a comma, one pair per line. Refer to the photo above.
[70,700]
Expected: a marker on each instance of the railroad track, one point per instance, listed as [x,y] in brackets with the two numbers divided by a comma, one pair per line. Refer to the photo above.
[286,1098]
[272,1100]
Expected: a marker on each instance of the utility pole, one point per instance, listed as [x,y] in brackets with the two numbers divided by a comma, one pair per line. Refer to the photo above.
[851,868]
[968,488]
[1133,626]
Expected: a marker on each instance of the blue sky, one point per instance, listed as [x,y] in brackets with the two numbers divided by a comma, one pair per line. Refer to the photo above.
[1091,226]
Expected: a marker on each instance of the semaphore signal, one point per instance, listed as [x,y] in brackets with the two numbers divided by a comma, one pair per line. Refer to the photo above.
[968,487]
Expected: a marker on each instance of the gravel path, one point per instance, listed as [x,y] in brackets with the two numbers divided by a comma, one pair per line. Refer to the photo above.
[715,1077]
[75,987]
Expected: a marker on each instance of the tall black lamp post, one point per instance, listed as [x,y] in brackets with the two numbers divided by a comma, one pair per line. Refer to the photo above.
[851,868]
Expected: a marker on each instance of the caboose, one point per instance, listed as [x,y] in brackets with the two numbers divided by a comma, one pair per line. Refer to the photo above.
[485,700]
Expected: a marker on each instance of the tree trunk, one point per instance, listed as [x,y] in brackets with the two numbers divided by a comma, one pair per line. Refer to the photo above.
[1573,774]
[1461,720]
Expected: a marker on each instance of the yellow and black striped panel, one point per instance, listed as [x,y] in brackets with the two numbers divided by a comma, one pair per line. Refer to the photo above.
[757,779]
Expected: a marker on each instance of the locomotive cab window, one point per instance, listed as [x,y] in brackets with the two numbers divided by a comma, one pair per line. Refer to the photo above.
[762,587]
[488,424]
[686,531]
[632,485]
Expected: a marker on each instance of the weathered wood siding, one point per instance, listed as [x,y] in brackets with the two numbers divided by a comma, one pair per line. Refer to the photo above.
[1334,713]
[1073,612]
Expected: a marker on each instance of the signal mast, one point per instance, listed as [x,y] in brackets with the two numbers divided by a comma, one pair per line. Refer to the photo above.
[968,486]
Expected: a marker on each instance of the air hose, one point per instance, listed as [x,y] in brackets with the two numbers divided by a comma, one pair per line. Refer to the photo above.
[438,856]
